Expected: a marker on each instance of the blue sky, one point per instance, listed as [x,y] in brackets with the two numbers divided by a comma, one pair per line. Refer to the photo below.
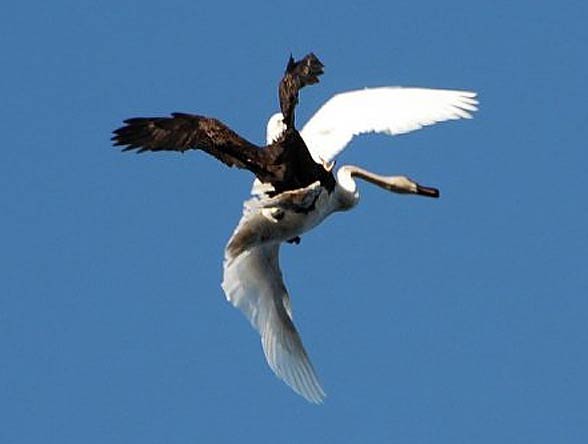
[461,320]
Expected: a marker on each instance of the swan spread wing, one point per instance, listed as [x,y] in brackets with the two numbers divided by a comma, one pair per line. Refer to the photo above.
[253,283]
[389,110]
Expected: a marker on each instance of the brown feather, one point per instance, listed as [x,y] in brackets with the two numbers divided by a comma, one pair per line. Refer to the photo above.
[298,75]
[286,164]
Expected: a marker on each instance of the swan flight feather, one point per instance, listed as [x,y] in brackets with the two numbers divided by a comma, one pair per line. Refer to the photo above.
[253,283]
[389,110]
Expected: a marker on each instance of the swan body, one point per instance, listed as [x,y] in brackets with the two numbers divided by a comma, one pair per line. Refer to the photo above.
[253,282]
[295,188]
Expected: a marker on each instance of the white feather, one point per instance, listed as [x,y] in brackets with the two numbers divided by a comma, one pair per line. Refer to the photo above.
[253,283]
[389,110]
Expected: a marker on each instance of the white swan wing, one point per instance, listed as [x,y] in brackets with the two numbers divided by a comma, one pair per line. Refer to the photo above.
[389,110]
[253,283]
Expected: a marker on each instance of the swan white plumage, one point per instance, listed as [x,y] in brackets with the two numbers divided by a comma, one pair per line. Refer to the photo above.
[389,110]
[252,277]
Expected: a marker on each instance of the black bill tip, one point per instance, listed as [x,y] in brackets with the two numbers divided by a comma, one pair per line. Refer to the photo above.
[427,191]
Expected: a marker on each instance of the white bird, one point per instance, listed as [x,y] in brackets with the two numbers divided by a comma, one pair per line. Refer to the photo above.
[252,277]
[295,189]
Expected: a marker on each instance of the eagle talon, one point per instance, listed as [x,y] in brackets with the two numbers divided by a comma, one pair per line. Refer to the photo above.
[328,165]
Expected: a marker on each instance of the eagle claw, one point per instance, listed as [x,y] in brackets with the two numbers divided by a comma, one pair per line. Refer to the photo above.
[295,240]
[328,166]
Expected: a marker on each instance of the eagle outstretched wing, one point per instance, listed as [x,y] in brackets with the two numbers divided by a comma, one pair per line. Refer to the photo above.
[182,132]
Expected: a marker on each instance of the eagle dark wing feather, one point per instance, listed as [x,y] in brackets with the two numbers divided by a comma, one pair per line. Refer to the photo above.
[298,74]
[286,164]
[183,132]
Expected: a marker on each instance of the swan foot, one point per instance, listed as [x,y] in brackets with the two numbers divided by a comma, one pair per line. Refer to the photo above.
[295,240]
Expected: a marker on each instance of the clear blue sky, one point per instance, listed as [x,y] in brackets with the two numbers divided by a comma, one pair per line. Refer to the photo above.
[462,320]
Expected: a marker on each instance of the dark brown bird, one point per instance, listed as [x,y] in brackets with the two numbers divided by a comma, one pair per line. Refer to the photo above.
[286,164]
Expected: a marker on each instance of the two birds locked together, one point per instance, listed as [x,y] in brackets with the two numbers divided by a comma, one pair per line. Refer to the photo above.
[295,187]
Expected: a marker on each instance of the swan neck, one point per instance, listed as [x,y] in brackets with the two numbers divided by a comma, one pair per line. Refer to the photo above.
[345,178]
[397,184]
[368,176]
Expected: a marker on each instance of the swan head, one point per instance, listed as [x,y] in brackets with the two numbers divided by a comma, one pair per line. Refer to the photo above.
[405,185]
[275,128]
